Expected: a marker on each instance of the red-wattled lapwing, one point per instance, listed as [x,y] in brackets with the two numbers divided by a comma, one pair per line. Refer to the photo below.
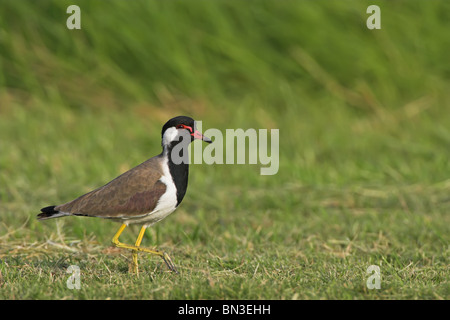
[145,194]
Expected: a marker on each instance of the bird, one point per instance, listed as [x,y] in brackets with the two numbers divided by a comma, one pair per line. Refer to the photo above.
[143,195]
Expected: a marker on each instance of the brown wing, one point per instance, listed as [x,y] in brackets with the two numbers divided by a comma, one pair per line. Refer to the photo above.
[134,193]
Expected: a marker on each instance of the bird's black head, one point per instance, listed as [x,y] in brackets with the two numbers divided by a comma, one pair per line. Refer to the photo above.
[172,130]
[180,120]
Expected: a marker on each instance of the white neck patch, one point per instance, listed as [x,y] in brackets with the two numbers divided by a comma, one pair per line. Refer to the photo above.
[169,135]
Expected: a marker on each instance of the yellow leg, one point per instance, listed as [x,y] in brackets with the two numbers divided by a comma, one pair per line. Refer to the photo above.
[115,239]
[136,248]
[135,253]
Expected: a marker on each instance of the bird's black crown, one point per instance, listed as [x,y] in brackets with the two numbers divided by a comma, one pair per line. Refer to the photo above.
[187,121]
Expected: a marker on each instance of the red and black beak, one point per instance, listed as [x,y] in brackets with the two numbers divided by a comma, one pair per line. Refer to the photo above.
[197,135]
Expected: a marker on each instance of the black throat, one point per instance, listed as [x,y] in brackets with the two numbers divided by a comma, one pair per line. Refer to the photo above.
[178,162]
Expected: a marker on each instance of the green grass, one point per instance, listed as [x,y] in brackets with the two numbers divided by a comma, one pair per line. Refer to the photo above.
[364,122]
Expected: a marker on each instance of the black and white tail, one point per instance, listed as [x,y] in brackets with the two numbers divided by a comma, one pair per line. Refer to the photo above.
[50,212]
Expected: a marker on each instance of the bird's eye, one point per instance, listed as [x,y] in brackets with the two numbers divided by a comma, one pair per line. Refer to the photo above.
[183,126]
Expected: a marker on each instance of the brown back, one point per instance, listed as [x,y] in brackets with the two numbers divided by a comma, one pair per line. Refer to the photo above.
[134,193]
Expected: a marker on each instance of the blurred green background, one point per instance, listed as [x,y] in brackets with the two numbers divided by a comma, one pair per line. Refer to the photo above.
[364,118]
